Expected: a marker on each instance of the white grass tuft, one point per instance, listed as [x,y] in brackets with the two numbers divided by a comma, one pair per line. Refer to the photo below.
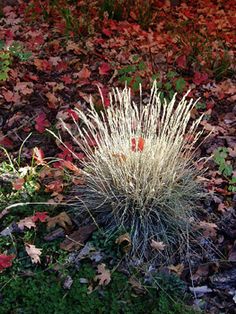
[141,168]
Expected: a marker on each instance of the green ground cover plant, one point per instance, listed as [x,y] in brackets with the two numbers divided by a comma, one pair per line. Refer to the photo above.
[43,292]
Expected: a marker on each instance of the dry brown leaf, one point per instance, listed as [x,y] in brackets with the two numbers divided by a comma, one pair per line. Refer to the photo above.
[77,239]
[209,229]
[136,285]
[158,245]
[26,222]
[104,275]
[33,252]
[178,269]
[62,220]
[125,241]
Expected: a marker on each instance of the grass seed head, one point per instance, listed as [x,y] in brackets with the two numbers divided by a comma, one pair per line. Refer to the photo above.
[140,168]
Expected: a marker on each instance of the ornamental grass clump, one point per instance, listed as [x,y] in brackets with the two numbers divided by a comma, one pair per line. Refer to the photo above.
[139,169]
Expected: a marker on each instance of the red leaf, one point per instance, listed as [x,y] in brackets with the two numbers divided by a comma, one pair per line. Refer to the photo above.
[6,142]
[133,144]
[41,122]
[18,184]
[41,216]
[43,65]
[5,261]
[84,73]
[199,78]
[181,61]
[104,68]
[106,32]
[140,144]
[72,113]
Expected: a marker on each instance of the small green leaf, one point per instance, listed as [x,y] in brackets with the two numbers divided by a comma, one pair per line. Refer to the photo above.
[141,66]
[171,74]
[168,86]
[180,84]
[200,105]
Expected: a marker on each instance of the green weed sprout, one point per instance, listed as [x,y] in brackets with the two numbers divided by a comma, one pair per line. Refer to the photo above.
[139,170]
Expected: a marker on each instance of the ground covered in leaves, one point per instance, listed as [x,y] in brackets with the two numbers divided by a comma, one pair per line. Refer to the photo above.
[53,56]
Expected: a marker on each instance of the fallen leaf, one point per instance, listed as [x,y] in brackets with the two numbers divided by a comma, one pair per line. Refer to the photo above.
[62,220]
[41,216]
[209,229]
[69,165]
[104,68]
[26,222]
[6,261]
[124,241]
[33,253]
[104,275]
[41,122]
[181,61]
[18,184]
[76,240]
[136,285]
[178,269]
[158,245]
[140,144]
[84,74]
[55,187]
[199,78]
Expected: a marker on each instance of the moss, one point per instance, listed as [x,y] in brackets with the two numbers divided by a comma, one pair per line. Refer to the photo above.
[43,293]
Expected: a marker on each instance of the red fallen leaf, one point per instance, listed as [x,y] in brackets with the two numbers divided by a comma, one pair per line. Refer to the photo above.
[52,100]
[199,78]
[18,184]
[61,66]
[5,141]
[104,68]
[6,261]
[41,122]
[140,144]
[73,114]
[43,65]
[38,155]
[66,79]
[55,186]
[69,165]
[84,73]
[106,32]
[41,216]
[181,61]
[10,96]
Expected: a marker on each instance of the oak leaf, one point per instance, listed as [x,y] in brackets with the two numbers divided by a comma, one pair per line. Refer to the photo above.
[62,220]
[158,245]
[104,275]
[33,253]
[26,222]
[178,269]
